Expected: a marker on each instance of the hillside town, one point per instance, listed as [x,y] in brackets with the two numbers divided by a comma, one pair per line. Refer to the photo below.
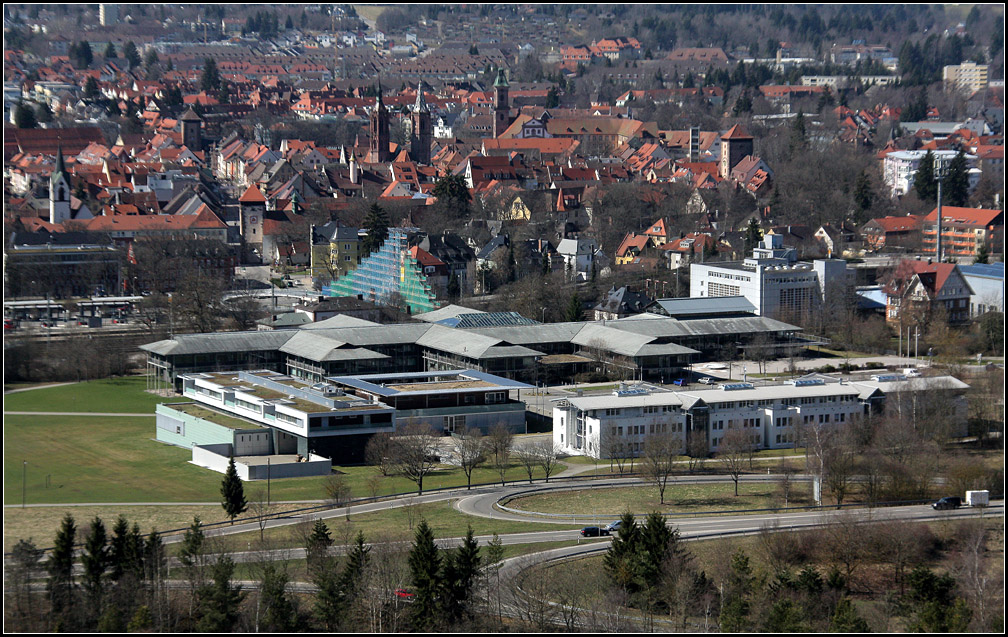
[720,229]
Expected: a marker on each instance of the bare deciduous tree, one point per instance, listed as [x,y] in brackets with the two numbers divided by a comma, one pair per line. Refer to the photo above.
[732,453]
[660,452]
[499,443]
[528,458]
[548,456]
[379,452]
[696,450]
[416,452]
[470,448]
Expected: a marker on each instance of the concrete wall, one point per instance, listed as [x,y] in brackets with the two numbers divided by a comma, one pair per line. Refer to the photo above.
[217,457]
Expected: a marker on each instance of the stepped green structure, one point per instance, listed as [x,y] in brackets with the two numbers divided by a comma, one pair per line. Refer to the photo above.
[389,272]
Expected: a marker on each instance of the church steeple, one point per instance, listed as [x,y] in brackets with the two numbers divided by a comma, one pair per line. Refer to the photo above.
[379,146]
[59,191]
[421,130]
[502,108]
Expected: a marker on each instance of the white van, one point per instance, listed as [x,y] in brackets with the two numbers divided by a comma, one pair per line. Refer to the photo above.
[911,372]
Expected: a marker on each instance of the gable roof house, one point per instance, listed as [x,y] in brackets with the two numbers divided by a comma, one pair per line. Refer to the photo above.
[917,289]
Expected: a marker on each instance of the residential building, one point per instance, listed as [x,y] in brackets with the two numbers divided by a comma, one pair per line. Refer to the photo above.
[335,252]
[902,233]
[986,280]
[968,77]
[964,231]
[900,167]
[917,289]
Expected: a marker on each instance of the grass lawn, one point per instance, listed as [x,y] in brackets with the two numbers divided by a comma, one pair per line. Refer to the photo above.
[116,459]
[112,395]
[679,498]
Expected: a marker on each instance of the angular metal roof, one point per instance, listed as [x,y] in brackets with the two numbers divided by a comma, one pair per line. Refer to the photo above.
[221,342]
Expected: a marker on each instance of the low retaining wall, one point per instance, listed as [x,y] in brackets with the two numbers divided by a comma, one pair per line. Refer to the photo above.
[217,457]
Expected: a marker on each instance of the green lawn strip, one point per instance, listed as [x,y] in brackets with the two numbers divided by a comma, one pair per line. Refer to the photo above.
[679,498]
[111,395]
[394,524]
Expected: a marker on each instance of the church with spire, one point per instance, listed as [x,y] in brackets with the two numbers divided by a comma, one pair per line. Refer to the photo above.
[421,129]
[379,151]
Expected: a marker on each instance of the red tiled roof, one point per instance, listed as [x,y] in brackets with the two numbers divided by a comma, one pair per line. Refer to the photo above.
[737,132]
[252,195]
[979,217]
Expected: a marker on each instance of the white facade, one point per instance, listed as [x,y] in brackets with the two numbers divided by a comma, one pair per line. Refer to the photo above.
[900,168]
[773,415]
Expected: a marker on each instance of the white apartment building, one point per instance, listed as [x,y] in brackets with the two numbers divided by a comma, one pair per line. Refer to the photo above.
[968,76]
[619,425]
[899,168]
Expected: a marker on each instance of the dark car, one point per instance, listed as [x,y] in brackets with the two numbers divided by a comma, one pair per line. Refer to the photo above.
[947,503]
[591,531]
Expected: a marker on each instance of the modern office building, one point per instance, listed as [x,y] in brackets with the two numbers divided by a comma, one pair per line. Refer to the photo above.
[774,416]
[772,280]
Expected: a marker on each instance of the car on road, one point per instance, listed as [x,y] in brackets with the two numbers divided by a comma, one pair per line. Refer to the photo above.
[612,527]
[947,503]
[591,531]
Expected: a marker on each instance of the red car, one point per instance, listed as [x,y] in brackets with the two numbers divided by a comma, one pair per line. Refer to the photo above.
[404,595]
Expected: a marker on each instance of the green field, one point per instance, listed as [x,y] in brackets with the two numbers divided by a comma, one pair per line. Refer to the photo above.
[679,498]
[111,395]
[116,459]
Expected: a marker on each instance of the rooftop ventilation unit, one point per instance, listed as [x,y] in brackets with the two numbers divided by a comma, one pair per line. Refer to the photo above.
[808,382]
[735,386]
[888,378]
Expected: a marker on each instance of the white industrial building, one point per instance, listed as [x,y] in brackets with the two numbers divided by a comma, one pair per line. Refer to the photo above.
[772,280]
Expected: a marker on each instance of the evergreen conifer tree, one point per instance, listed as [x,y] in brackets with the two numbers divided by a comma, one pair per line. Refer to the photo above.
[131,54]
[955,185]
[61,560]
[376,223]
[425,572]
[233,492]
[924,179]
[95,560]
[219,600]
[279,610]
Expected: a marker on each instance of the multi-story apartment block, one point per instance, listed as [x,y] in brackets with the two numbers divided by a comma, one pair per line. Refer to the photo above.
[964,231]
[899,168]
[969,77]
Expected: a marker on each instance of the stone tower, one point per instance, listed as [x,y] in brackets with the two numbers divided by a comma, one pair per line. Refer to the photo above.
[59,192]
[502,108]
[422,133]
[736,144]
[379,150]
[192,133]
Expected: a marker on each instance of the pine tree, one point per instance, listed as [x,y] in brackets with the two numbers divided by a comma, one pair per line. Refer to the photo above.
[864,196]
[462,567]
[575,312]
[219,600]
[210,79]
[24,116]
[955,186]
[318,546]
[425,573]
[233,492]
[110,51]
[131,54]
[753,235]
[95,560]
[846,619]
[279,614]
[61,560]
[621,559]
[376,223]
[982,254]
[90,87]
[924,179]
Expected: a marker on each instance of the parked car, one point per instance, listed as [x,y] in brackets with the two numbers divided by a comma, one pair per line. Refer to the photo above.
[404,595]
[947,503]
[707,380]
[680,382]
[591,531]
[612,527]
